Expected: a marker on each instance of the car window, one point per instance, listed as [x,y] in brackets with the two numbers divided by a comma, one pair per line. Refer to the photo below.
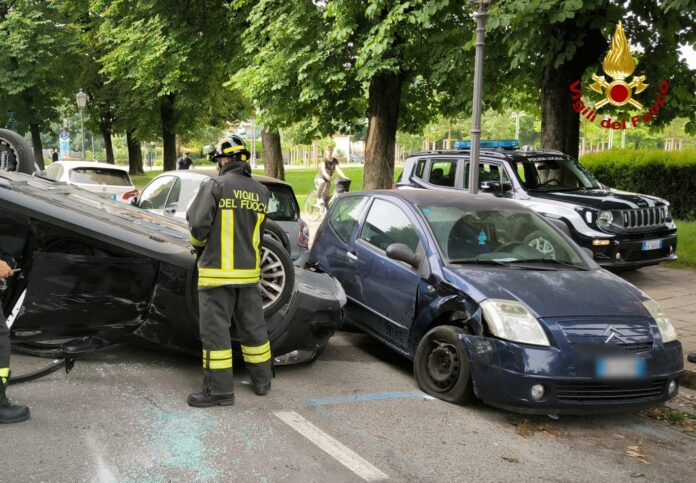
[155,194]
[420,168]
[386,223]
[100,176]
[554,173]
[53,171]
[174,193]
[282,205]
[344,215]
[442,172]
[492,177]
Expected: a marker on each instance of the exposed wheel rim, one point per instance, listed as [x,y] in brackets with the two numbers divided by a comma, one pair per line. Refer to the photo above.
[544,246]
[443,366]
[8,156]
[273,277]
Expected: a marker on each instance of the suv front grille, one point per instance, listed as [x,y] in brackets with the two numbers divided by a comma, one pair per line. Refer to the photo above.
[644,218]
[598,392]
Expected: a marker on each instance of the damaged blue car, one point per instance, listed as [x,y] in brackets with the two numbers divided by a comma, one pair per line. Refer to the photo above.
[451,282]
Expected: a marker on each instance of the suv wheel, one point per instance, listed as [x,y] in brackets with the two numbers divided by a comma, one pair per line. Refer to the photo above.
[441,367]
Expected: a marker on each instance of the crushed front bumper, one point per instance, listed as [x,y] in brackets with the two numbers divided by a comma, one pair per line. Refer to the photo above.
[503,374]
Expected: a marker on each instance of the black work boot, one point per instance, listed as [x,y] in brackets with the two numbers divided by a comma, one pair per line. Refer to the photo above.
[204,399]
[8,412]
[261,376]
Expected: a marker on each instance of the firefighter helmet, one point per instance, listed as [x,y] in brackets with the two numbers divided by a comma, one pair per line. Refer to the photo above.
[230,147]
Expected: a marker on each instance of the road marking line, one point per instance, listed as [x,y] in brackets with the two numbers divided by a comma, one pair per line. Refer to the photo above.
[376,396]
[347,457]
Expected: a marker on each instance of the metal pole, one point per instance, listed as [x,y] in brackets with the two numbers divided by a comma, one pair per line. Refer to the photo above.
[517,126]
[480,16]
[82,128]
[94,156]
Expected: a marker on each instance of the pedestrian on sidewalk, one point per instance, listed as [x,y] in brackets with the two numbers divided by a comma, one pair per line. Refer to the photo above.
[184,162]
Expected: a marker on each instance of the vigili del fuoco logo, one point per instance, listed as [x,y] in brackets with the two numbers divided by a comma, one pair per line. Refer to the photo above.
[619,90]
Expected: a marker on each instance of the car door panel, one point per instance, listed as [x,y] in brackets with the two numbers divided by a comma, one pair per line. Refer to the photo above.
[75,295]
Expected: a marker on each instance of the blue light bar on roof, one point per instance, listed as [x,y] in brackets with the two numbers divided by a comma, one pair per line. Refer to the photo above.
[489,144]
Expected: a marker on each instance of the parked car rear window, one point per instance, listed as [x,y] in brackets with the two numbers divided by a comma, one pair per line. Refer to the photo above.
[155,194]
[442,172]
[100,176]
[282,206]
[387,224]
[344,215]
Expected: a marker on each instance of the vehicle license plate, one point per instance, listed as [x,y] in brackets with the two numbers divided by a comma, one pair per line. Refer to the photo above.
[620,368]
[652,245]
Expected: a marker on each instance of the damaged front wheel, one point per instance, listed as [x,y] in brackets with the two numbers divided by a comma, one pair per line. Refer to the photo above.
[441,367]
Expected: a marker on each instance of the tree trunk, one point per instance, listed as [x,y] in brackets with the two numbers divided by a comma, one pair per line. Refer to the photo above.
[383,114]
[560,123]
[272,155]
[168,115]
[105,128]
[135,155]
[36,144]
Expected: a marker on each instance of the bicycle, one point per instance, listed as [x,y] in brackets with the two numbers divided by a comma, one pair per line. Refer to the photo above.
[315,209]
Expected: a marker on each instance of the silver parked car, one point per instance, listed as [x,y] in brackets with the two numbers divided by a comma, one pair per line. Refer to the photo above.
[171,193]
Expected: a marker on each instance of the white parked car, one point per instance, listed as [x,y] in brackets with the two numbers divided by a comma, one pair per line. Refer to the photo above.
[105,180]
[172,192]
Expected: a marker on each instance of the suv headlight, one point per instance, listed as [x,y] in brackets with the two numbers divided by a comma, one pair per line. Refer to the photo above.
[512,321]
[667,331]
[605,219]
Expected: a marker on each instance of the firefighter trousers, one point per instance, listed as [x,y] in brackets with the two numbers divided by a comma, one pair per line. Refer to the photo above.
[4,349]
[219,307]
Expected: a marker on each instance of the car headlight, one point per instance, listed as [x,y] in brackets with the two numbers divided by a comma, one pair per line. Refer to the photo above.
[512,321]
[667,330]
[605,219]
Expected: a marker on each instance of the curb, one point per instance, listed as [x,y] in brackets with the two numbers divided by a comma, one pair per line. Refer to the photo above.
[688,378]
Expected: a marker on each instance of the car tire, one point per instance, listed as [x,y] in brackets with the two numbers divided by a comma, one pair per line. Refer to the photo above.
[441,367]
[16,153]
[277,276]
[538,240]
[276,233]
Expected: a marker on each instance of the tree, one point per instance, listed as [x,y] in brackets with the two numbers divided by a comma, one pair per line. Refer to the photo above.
[545,46]
[328,65]
[175,56]
[36,43]
[272,155]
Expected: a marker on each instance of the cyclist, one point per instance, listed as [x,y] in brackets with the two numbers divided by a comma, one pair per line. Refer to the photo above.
[322,180]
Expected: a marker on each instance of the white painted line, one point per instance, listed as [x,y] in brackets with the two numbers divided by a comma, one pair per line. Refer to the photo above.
[347,457]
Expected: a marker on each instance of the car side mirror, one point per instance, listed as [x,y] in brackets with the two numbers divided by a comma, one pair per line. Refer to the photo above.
[491,187]
[134,201]
[402,253]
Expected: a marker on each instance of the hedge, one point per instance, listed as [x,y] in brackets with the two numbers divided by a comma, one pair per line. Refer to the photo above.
[667,174]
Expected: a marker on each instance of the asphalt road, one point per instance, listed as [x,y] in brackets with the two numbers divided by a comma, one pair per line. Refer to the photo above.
[356,414]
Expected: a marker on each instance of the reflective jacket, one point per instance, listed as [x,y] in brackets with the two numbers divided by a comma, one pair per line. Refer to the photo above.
[226,221]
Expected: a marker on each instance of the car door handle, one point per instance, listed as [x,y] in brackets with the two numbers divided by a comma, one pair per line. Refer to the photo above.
[352,256]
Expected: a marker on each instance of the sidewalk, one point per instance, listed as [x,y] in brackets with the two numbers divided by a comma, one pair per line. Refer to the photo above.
[675,291]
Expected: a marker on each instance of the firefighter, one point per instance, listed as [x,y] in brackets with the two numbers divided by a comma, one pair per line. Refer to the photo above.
[8,412]
[226,221]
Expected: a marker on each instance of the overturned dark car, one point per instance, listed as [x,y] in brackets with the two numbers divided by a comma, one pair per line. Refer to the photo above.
[92,273]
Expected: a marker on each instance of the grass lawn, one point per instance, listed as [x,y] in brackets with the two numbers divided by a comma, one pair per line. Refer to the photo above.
[686,245]
[141,180]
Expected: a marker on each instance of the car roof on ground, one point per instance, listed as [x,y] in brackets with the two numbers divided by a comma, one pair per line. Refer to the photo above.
[89,164]
[423,197]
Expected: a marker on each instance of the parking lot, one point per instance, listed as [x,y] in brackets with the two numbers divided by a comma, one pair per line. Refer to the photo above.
[356,414]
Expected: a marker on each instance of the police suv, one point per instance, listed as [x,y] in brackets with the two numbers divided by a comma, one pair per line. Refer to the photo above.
[623,230]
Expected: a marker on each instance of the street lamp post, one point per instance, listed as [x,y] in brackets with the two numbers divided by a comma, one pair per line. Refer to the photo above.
[480,16]
[81,98]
